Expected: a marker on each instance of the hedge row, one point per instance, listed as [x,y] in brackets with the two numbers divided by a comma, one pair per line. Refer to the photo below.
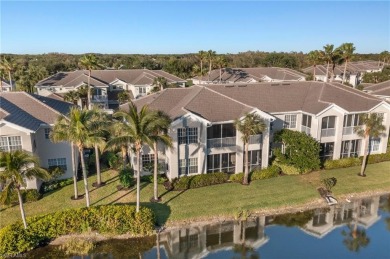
[112,219]
[201,180]
[55,185]
[270,172]
[356,161]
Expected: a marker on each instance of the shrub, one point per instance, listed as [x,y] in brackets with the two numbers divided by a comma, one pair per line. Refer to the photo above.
[55,172]
[200,180]
[342,163]
[377,158]
[55,185]
[112,219]
[287,169]
[301,152]
[111,160]
[329,183]
[150,179]
[27,196]
[270,172]
[237,178]
[126,177]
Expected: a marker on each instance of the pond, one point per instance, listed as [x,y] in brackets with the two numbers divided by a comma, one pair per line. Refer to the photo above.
[355,229]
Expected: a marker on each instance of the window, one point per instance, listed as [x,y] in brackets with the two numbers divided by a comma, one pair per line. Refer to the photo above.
[187,135]
[290,121]
[47,133]
[326,150]
[142,90]
[306,120]
[221,131]
[225,162]
[147,160]
[188,166]
[374,144]
[350,148]
[57,162]
[254,159]
[328,126]
[10,143]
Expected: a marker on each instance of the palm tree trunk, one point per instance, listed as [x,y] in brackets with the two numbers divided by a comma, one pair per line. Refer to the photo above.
[314,72]
[210,69]
[81,150]
[220,74]
[123,151]
[158,245]
[10,80]
[1,84]
[74,168]
[97,162]
[138,179]
[201,68]
[155,171]
[246,169]
[21,208]
[89,91]
[345,70]
[366,143]
[327,72]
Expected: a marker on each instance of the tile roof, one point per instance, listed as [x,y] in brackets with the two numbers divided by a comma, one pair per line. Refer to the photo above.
[105,77]
[382,88]
[30,110]
[352,67]
[245,75]
[228,102]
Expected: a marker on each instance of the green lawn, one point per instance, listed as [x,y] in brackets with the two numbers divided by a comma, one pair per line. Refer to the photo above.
[213,201]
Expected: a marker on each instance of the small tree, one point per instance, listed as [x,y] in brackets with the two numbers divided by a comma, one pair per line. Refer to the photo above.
[329,183]
[251,124]
[17,166]
[124,97]
[371,127]
[300,150]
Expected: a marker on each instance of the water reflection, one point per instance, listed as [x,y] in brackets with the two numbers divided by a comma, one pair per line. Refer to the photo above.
[344,227]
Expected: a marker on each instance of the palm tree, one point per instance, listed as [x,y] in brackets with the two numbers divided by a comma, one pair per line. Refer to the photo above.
[72,97]
[346,50]
[89,62]
[160,134]
[251,124]
[160,82]
[139,128]
[8,65]
[371,127]
[220,62]
[116,130]
[329,55]
[18,165]
[315,57]
[383,55]
[97,138]
[77,129]
[202,55]
[355,238]
[211,56]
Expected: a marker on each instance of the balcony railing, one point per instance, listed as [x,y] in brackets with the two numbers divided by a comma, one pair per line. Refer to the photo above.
[348,130]
[305,129]
[255,139]
[99,98]
[221,142]
[328,132]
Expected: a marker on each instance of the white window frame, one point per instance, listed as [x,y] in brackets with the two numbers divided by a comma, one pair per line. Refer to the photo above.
[374,145]
[188,166]
[290,121]
[47,133]
[146,159]
[187,135]
[57,162]
[11,143]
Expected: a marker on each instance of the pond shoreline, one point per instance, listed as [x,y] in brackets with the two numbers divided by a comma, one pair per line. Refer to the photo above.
[314,204]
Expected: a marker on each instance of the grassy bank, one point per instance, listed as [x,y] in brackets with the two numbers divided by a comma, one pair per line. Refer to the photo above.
[218,200]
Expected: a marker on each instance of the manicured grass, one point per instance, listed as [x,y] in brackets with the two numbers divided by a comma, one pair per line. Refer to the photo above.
[217,200]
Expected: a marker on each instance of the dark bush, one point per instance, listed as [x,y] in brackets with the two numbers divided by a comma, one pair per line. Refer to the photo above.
[110,160]
[110,219]
[55,185]
[150,178]
[354,161]
[27,196]
[200,180]
[126,177]
[237,178]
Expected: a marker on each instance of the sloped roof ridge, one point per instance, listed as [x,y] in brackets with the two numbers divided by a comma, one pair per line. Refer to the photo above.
[43,103]
[374,85]
[230,98]
[184,102]
[356,92]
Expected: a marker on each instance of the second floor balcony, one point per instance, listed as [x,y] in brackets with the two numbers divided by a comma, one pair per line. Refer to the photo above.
[99,98]
[256,139]
[328,132]
[348,130]
[305,129]
[221,142]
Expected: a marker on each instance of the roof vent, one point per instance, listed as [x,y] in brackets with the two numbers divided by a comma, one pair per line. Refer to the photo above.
[286,84]
[241,85]
[274,84]
[229,85]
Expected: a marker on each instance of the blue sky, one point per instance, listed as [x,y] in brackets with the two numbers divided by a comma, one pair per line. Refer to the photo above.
[33,27]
